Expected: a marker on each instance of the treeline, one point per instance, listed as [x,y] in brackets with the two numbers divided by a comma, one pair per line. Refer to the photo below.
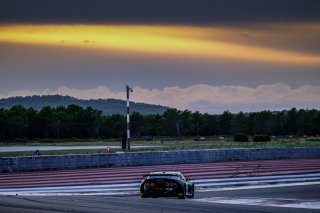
[76,122]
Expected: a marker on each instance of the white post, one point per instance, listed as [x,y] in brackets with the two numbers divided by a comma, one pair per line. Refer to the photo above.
[128,116]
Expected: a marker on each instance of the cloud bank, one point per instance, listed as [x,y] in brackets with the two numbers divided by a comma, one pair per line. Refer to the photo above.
[202,97]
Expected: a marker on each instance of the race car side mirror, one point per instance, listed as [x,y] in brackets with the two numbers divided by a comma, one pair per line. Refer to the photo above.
[187,179]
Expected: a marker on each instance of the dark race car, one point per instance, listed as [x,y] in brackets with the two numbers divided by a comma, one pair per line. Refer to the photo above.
[166,184]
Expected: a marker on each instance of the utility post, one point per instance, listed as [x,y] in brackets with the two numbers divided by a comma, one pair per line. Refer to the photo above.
[128,89]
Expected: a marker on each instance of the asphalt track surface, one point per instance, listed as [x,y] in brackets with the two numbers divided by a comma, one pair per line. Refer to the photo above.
[303,195]
[133,203]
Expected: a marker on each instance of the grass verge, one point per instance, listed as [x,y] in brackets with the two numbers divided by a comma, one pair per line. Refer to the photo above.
[169,145]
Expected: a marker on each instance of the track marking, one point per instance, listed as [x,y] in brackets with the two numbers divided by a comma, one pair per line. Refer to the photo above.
[207,177]
[274,202]
[248,182]
[120,175]
[125,189]
[198,183]
[258,186]
[259,178]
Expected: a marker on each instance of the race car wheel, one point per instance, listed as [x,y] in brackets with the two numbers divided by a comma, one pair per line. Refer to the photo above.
[191,194]
[144,195]
[181,195]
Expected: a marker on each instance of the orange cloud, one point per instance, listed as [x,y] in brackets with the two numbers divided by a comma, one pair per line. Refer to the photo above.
[205,42]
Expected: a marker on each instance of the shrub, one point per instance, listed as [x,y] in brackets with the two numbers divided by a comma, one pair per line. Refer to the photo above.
[240,137]
[313,139]
[261,138]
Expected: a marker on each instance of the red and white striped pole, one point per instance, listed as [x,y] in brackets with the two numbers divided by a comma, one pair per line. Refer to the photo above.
[128,115]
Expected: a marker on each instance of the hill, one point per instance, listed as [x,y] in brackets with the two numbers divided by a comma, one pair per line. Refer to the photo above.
[108,106]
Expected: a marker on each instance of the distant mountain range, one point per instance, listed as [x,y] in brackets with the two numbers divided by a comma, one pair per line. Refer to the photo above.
[108,106]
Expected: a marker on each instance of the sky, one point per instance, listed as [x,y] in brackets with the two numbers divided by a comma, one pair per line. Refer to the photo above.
[207,56]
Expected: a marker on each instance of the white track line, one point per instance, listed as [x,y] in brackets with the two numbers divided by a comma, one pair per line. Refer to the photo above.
[134,187]
[136,191]
[258,186]
[274,202]
[256,182]
[257,178]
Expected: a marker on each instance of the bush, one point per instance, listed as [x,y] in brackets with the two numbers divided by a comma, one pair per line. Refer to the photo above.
[261,138]
[240,137]
[313,139]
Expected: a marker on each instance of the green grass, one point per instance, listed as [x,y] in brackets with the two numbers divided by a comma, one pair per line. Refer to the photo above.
[218,144]
[60,142]
[164,145]
[55,152]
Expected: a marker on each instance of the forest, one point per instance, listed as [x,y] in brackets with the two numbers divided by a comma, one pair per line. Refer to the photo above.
[74,121]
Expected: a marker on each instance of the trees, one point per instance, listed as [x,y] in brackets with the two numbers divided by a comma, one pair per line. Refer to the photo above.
[279,121]
[3,123]
[77,122]
[291,124]
[189,123]
[64,122]
[239,123]
[172,122]
[198,123]
[17,122]
[225,123]
[45,123]
[262,123]
[314,122]
[86,123]
[138,124]
[112,126]
[210,124]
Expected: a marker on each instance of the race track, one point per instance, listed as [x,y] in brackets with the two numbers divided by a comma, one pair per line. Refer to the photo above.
[242,186]
[120,175]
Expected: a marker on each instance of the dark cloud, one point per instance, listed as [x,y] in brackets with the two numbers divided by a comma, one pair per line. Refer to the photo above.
[158,12]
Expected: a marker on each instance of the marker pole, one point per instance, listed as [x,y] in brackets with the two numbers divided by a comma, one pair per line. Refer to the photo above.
[128,116]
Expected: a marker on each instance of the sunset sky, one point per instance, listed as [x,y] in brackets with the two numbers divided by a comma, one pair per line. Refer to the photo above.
[209,56]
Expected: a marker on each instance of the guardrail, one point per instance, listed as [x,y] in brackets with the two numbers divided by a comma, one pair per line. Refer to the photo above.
[13,164]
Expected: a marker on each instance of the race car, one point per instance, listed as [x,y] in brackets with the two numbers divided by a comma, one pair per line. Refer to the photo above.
[166,184]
